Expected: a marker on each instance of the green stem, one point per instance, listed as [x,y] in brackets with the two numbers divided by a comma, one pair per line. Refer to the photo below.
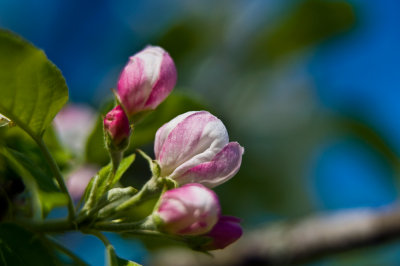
[57,174]
[144,227]
[100,236]
[52,226]
[145,224]
[150,190]
[97,190]
[111,255]
[91,198]
[116,158]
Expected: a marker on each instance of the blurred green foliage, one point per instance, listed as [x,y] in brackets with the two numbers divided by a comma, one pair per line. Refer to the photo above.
[21,247]
[45,193]
[308,23]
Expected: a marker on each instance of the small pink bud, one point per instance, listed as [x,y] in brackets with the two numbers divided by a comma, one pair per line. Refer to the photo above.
[225,232]
[116,125]
[73,125]
[189,210]
[194,148]
[146,80]
[78,180]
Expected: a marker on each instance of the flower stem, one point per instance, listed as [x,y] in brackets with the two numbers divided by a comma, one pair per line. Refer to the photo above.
[51,226]
[116,157]
[144,227]
[111,255]
[151,189]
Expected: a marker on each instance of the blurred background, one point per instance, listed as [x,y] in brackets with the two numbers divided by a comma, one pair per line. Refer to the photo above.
[310,88]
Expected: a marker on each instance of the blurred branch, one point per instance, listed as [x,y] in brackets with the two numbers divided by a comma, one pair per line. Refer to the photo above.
[287,243]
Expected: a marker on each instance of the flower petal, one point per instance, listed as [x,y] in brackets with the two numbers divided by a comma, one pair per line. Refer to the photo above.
[163,132]
[224,233]
[217,171]
[146,80]
[189,210]
[164,84]
[196,139]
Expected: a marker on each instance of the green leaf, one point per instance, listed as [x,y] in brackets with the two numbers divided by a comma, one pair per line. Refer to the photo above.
[21,247]
[114,260]
[103,175]
[46,195]
[32,88]
[59,152]
[144,132]
[17,139]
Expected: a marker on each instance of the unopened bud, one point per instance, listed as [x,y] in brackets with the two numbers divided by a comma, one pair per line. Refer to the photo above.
[194,148]
[117,129]
[146,80]
[189,210]
[225,232]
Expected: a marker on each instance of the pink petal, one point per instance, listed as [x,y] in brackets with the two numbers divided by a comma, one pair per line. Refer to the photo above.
[220,169]
[146,80]
[194,140]
[189,210]
[133,88]
[163,132]
[165,83]
[225,232]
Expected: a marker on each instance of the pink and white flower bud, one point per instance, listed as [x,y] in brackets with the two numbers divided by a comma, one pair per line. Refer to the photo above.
[78,180]
[194,148]
[73,125]
[189,210]
[225,232]
[146,80]
[116,125]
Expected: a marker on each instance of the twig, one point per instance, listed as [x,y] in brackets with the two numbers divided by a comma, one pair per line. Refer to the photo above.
[289,243]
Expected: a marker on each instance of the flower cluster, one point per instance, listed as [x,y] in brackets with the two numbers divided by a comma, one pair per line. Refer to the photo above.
[193,150]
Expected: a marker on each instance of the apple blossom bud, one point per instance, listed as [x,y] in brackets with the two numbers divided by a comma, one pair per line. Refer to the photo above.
[78,180]
[116,127]
[73,125]
[189,210]
[225,232]
[146,80]
[194,148]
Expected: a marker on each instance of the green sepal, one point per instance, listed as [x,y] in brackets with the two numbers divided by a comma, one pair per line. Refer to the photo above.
[101,182]
[104,173]
[154,166]
[114,260]
[113,147]
[113,198]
